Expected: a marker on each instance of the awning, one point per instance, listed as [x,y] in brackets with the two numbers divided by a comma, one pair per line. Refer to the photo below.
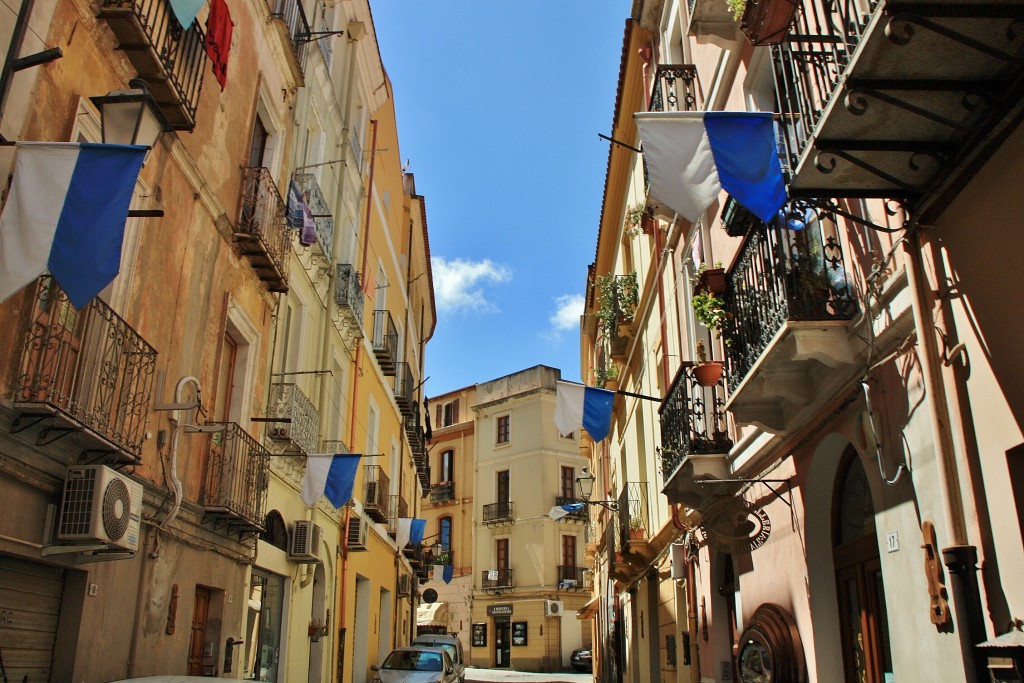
[434,614]
[590,609]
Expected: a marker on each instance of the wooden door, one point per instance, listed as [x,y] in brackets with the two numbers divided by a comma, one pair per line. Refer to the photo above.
[197,641]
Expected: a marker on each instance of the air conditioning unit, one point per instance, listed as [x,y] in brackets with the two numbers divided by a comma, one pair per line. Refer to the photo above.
[404,584]
[356,533]
[100,505]
[553,608]
[305,542]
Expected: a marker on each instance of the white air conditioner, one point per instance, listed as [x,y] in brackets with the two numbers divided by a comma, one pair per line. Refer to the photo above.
[553,608]
[356,533]
[100,505]
[305,542]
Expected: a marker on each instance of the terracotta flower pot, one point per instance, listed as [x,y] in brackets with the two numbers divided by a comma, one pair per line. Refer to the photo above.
[708,373]
[711,280]
[765,22]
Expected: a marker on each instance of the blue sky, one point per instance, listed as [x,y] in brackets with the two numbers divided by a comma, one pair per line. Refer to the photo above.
[499,107]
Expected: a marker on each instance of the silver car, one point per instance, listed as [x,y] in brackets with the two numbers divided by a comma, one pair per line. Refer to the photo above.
[415,665]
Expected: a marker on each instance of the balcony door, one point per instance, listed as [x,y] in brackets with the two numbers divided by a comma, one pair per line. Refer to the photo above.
[867,656]
[568,481]
[503,490]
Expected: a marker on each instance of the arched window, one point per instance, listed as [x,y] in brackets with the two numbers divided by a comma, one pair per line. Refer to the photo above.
[865,630]
[275,531]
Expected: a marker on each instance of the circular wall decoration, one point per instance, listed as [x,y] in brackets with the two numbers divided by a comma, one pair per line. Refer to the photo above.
[430,596]
[770,650]
[734,526]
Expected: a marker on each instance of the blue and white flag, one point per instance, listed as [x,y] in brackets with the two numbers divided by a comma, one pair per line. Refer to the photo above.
[410,530]
[438,573]
[578,404]
[448,571]
[331,475]
[559,511]
[692,156]
[66,212]
[186,10]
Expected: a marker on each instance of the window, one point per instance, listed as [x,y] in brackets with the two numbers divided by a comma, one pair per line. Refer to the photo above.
[445,533]
[568,482]
[447,413]
[266,597]
[502,423]
[501,553]
[276,531]
[503,487]
[568,551]
[447,469]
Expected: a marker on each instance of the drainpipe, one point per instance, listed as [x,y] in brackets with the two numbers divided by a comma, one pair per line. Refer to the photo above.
[960,557]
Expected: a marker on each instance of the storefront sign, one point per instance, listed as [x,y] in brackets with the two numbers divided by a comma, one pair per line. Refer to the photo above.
[735,526]
[499,610]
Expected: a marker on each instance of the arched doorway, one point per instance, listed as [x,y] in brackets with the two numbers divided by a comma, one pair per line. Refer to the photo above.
[864,628]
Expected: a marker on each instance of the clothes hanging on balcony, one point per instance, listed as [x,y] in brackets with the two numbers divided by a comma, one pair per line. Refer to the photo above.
[218,39]
[692,156]
[300,216]
[185,11]
[66,212]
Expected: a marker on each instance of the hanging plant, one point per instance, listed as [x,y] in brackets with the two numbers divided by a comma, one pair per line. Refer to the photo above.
[634,222]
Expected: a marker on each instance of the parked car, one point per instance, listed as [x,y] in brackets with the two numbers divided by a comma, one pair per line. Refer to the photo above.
[415,664]
[450,644]
[581,659]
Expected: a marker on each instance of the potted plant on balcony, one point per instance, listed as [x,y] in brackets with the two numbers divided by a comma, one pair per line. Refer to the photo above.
[706,372]
[634,223]
[711,279]
[710,311]
[764,22]
[637,530]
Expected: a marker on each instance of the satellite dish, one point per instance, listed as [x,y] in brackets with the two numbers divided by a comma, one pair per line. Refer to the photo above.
[429,596]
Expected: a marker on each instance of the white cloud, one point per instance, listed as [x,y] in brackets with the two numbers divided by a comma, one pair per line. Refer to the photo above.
[568,309]
[459,284]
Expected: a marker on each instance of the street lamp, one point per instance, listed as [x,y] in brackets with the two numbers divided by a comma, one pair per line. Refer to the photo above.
[585,483]
[130,117]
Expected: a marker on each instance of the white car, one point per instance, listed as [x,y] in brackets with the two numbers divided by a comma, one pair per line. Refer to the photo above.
[415,665]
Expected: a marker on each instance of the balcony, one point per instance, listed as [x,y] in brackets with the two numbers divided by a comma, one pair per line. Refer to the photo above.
[262,232]
[676,88]
[404,386]
[293,28]
[417,446]
[82,372]
[348,295]
[385,341]
[237,471]
[442,492]
[298,425]
[496,580]
[376,493]
[789,304]
[874,105]
[397,509]
[617,299]
[498,513]
[634,523]
[711,21]
[171,60]
[322,218]
[571,577]
[694,440]
[577,516]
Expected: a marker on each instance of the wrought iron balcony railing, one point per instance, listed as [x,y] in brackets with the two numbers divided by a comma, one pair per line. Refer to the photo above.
[322,218]
[262,232]
[385,341]
[376,492]
[333,446]
[676,88]
[237,473]
[577,516]
[170,59]
[790,270]
[570,577]
[397,508]
[324,41]
[87,368]
[300,421]
[634,511]
[418,446]
[496,580]
[348,293]
[290,12]
[443,491]
[404,385]
[498,513]
[692,421]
